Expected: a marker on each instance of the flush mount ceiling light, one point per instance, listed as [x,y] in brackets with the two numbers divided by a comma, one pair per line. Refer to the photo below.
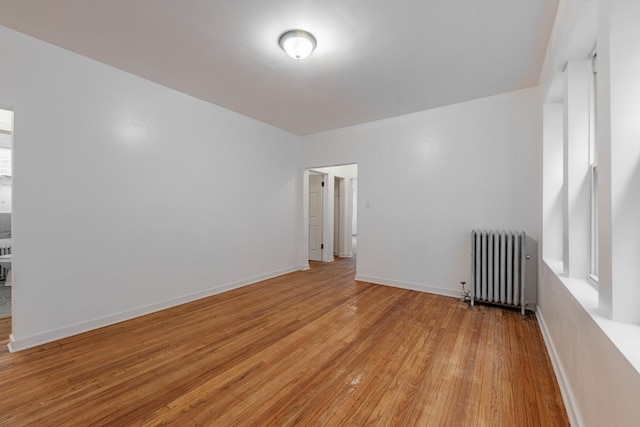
[298,44]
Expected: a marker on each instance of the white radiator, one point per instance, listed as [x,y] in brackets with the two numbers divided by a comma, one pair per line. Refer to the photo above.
[498,264]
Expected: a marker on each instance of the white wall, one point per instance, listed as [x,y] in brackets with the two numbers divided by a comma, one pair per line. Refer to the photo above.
[130,197]
[552,183]
[600,386]
[430,177]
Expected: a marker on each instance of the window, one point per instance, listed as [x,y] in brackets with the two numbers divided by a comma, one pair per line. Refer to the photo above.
[593,177]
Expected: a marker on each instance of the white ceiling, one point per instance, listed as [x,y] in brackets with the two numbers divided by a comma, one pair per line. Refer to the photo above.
[375,58]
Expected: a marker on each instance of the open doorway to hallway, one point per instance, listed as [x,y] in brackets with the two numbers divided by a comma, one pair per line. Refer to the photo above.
[354,219]
[330,213]
[6,180]
[317,185]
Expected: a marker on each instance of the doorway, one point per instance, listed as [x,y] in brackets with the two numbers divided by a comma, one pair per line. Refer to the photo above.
[329,212]
[316,223]
[354,220]
[6,181]
[337,212]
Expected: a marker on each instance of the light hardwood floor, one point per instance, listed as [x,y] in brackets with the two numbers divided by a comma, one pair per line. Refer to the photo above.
[308,348]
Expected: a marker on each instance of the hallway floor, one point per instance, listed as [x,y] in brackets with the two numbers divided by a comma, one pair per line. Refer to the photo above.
[5,301]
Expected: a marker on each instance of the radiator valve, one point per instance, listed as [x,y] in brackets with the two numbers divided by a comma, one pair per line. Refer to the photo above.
[465,293]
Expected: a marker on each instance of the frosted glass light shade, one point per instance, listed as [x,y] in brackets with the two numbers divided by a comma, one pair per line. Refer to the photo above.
[298,44]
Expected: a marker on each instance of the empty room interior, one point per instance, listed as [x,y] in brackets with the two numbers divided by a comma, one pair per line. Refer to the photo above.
[320,212]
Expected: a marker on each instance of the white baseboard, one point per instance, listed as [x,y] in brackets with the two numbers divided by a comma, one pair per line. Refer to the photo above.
[304,267]
[411,286]
[67,331]
[346,255]
[565,388]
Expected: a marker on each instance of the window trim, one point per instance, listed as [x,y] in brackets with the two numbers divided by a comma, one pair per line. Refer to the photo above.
[593,178]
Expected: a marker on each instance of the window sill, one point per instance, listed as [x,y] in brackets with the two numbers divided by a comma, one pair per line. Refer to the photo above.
[556,265]
[624,336]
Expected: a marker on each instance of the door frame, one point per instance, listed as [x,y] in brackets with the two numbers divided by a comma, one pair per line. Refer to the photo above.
[11,270]
[338,215]
[346,214]
[323,212]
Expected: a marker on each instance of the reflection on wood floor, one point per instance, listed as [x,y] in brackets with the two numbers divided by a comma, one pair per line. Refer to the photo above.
[308,348]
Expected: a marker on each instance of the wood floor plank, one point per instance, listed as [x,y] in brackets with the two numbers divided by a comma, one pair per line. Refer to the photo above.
[307,348]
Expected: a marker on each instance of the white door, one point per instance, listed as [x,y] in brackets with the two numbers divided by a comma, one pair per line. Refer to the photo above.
[315,217]
[336,218]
